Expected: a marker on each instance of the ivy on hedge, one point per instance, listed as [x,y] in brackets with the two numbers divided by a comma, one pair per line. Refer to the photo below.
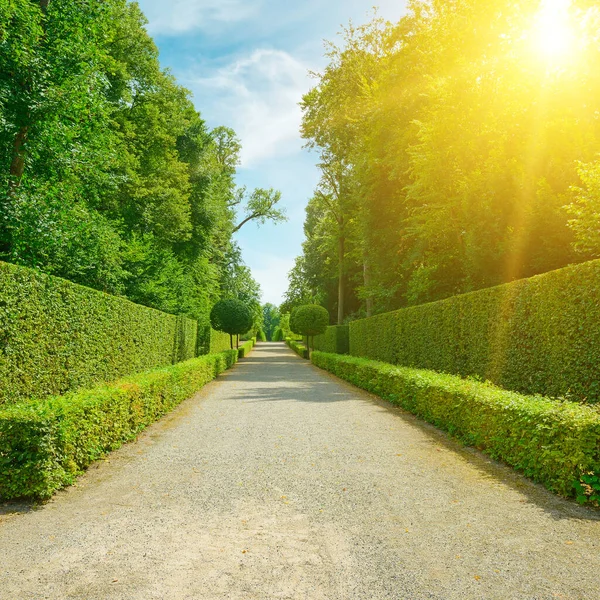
[556,443]
[336,340]
[57,336]
[536,336]
[44,445]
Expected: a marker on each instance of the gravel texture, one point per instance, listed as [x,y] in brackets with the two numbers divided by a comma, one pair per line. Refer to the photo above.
[280,481]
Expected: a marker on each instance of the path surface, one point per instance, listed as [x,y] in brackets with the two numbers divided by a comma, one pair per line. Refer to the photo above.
[279,481]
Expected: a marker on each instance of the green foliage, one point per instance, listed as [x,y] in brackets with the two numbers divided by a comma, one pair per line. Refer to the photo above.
[536,336]
[335,340]
[278,335]
[554,443]
[44,445]
[231,316]
[260,207]
[211,341]
[299,348]
[57,336]
[246,347]
[293,326]
[261,335]
[310,320]
[585,210]
[271,319]
[108,175]
[456,166]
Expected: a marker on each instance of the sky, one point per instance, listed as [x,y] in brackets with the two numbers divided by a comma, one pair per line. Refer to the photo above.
[247,65]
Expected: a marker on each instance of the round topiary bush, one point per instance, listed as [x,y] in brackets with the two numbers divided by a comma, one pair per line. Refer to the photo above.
[231,316]
[310,320]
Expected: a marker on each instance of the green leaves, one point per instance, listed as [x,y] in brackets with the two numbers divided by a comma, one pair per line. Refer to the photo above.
[108,175]
[462,156]
[231,316]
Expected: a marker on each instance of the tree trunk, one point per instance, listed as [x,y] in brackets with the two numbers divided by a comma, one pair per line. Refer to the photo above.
[237,341]
[17,165]
[231,340]
[341,252]
[367,283]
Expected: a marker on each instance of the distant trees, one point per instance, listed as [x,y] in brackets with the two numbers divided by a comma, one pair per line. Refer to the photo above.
[448,167]
[271,319]
[109,177]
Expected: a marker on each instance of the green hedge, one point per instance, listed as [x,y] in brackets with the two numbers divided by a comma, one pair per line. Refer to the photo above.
[44,445]
[211,341]
[554,443]
[297,347]
[57,336]
[246,347]
[535,336]
[335,340]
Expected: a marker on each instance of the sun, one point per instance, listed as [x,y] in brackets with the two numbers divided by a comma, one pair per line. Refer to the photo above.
[554,37]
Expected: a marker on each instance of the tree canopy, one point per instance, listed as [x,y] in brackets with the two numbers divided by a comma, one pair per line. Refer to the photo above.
[456,151]
[109,176]
[231,316]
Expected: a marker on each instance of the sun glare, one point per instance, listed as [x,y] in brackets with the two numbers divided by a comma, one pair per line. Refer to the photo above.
[554,35]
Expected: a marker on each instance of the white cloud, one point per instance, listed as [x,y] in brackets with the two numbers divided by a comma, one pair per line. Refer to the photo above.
[257,95]
[178,16]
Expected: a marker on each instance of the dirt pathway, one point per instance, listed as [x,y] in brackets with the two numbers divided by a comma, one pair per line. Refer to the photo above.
[279,481]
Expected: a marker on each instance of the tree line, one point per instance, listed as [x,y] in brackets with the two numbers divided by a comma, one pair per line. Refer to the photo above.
[109,177]
[454,155]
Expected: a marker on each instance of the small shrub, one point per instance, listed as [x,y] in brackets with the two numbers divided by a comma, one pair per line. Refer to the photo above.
[556,443]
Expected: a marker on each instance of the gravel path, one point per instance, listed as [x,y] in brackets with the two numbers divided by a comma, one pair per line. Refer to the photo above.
[280,481]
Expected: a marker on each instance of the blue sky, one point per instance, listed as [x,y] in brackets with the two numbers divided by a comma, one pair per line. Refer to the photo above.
[246,63]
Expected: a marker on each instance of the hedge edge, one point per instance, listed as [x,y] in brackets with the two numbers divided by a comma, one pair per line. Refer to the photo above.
[44,445]
[556,443]
[300,349]
[246,347]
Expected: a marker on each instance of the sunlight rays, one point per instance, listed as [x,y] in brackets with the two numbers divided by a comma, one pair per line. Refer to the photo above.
[554,38]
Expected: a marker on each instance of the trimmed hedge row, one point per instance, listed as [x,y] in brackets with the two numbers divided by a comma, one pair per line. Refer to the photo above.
[335,340]
[57,336]
[536,336]
[211,341]
[44,445]
[554,443]
[246,347]
[300,349]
